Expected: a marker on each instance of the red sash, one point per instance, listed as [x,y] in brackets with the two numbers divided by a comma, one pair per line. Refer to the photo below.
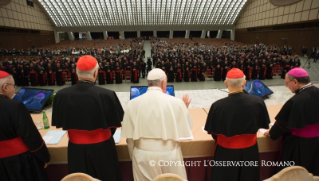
[179,74]
[135,74]
[12,147]
[237,142]
[89,137]
[265,71]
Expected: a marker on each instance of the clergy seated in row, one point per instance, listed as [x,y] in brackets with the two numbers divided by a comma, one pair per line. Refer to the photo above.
[234,122]
[153,131]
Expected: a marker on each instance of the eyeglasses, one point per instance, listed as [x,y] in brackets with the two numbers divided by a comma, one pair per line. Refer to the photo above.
[288,82]
[14,86]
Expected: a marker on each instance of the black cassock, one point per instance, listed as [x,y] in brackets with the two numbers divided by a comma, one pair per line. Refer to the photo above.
[102,76]
[59,77]
[237,116]
[50,75]
[170,75]
[286,68]
[33,77]
[194,74]
[24,77]
[134,75]
[186,75]
[254,72]
[118,76]
[74,76]
[28,165]
[85,107]
[269,71]
[299,114]
[262,72]
[217,74]
[109,77]
[179,74]
[42,78]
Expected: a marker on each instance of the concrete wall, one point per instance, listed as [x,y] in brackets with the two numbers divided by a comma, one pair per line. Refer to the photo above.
[259,13]
[19,15]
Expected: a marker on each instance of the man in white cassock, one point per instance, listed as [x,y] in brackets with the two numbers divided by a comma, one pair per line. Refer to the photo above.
[153,123]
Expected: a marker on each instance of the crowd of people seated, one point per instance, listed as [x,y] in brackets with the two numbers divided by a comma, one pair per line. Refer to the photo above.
[115,58]
[181,59]
[192,60]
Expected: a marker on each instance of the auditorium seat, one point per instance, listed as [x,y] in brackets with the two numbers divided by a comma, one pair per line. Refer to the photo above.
[209,73]
[78,177]
[294,173]
[127,75]
[168,177]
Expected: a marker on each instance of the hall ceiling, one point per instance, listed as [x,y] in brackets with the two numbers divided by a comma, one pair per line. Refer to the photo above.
[88,13]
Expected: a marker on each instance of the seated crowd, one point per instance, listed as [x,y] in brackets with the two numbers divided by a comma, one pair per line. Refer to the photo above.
[181,59]
[55,64]
[190,60]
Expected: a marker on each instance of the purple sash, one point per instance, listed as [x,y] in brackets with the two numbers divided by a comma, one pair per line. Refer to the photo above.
[309,131]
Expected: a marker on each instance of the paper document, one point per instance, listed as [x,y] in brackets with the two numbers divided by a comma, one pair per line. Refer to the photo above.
[117,136]
[204,129]
[262,130]
[187,138]
[53,137]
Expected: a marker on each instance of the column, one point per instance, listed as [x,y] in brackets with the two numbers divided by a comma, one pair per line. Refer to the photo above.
[56,37]
[220,33]
[121,33]
[71,35]
[187,34]
[203,35]
[232,35]
[154,33]
[105,35]
[88,35]
[138,34]
[171,34]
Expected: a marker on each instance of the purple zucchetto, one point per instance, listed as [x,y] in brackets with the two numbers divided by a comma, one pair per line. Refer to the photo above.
[298,72]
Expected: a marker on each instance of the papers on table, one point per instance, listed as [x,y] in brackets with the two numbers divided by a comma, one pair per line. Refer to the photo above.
[117,136]
[262,130]
[204,129]
[187,138]
[53,137]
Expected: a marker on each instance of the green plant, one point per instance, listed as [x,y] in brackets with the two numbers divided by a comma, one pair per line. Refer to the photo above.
[49,103]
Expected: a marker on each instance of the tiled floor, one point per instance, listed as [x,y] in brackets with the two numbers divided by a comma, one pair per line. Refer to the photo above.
[203,94]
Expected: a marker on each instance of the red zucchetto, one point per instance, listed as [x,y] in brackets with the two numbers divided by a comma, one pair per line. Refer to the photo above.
[86,63]
[235,73]
[3,74]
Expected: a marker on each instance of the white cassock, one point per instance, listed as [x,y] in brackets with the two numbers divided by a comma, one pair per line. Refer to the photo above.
[153,124]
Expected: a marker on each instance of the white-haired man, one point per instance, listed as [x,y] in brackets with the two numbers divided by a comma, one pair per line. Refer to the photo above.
[153,124]
[91,115]
[23,153]
[233,122]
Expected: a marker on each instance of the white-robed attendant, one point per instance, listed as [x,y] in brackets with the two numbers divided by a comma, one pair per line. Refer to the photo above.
[153,123]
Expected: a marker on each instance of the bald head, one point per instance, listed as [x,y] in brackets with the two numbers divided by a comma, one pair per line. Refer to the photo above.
[7,86]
